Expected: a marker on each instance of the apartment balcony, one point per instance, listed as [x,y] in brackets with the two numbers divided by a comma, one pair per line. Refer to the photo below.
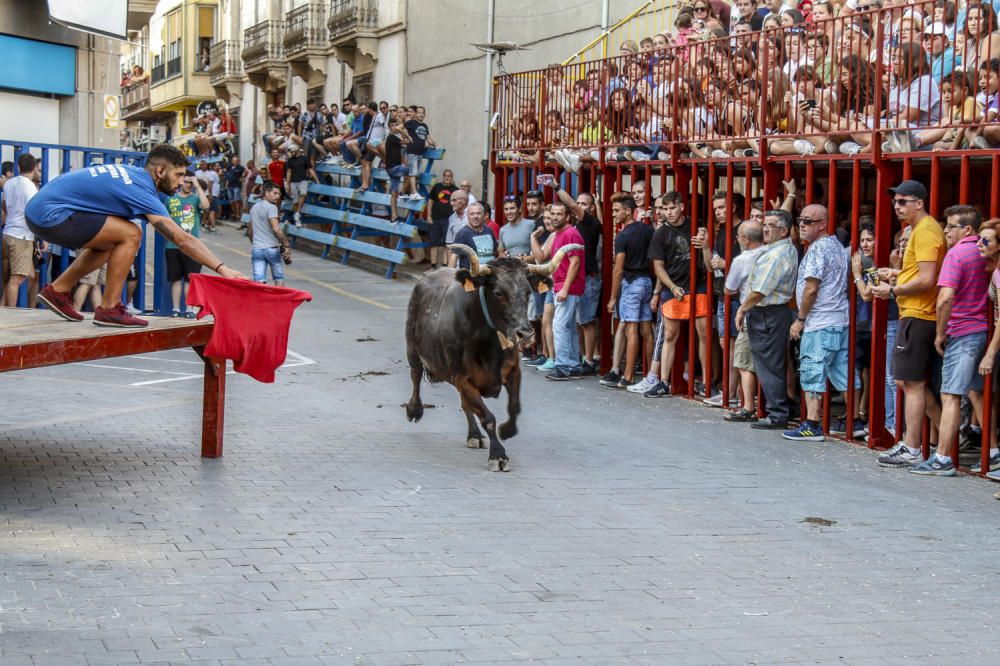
[307,40]
[353,25]
[352,18]
[135,101]
[264,55]
[139,13]
[225,68]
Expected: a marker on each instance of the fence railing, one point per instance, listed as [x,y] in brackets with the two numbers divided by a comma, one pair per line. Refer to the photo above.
[652,18]
[866,82]
[58,159]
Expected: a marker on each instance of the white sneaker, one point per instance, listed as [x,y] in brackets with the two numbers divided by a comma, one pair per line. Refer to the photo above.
[714,401]
[803,147]
[574,163]
[416,196]
[850,148]
[641,386]
[719,154]
[298,218]
[899,456]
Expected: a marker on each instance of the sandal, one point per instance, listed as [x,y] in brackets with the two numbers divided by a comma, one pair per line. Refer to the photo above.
[741,416]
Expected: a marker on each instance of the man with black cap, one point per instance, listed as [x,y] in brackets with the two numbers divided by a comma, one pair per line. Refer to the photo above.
[914,286]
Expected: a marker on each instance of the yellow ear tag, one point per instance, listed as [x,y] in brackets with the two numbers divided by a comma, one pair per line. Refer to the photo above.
[542,287]
[469,286]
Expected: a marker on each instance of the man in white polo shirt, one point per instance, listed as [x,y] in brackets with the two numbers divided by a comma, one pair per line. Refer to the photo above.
[18,241]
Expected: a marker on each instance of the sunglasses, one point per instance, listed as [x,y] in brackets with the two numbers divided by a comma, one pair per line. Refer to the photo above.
[903,202]
[701,9]
[985,242]
[809,220]
[510,197]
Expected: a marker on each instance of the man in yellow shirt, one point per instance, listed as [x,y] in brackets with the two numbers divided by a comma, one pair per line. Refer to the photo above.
[914,287]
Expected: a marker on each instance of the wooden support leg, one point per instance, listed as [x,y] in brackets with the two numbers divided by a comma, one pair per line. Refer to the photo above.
[213,408]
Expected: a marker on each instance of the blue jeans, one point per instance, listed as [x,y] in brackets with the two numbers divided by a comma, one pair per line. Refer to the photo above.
[890,382]
[566,339]
[960,373]
[264,257]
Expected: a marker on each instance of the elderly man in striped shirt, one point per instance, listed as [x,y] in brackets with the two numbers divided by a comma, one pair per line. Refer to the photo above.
[961,333]
[767,317]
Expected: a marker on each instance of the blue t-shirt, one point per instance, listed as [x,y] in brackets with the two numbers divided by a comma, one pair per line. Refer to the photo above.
[112,189]
[481,241]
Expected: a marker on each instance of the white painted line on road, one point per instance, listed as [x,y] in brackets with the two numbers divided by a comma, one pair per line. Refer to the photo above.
[298,360]
[118,367]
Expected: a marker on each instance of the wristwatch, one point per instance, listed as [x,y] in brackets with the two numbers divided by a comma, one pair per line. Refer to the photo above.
[802,319]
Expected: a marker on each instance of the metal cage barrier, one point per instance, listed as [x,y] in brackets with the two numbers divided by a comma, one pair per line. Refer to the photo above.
[578,107]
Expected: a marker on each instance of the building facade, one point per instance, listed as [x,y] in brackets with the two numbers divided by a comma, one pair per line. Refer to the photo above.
[56,82]
[265,52]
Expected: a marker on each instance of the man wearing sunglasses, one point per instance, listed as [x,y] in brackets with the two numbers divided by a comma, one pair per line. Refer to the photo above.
[821,322]
[914,287]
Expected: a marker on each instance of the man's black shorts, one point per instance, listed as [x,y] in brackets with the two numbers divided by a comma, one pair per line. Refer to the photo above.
[179,265]
[74,232]
[437,232]
[913,357]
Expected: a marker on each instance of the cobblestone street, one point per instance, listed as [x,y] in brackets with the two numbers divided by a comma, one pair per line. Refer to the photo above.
[335,532]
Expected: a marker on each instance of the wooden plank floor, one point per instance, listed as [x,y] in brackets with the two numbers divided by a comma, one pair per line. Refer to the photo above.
[20,326]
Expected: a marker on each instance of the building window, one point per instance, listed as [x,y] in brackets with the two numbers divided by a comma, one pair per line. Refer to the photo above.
[206,37]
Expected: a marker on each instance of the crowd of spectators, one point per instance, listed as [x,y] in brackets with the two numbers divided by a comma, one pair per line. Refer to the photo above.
[805,78]
[788,284]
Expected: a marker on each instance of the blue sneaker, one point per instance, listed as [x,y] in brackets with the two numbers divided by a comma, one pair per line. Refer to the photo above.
[993,465]
[807,432]
[558,375]
[548,366]
[934,466]
[537,361]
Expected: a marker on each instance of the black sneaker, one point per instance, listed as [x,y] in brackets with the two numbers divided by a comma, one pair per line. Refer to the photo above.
[661,390]
[588,369]
[558,375]
[767,423]
[625,383]
[611,379]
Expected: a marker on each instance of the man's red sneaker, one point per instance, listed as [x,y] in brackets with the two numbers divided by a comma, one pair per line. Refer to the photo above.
[117,317]
[59,303]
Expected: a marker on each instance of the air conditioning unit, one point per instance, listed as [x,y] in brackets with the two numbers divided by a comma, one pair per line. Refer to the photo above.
[157,133]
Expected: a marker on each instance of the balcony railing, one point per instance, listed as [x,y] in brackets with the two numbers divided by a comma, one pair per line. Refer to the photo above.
[263,45]
[173,67]
[305,29]
[224,62]
[158,73]
[350,16]
[135,98]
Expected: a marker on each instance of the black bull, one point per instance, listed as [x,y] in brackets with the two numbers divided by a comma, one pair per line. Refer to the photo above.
[465,327]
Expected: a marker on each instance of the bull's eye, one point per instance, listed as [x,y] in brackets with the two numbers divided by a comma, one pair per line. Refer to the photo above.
[500,296]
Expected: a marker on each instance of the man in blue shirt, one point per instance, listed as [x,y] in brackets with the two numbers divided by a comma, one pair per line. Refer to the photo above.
[95,210]
[938,48]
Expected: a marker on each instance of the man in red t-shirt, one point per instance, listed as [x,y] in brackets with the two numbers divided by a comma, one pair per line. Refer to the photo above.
[569,282]
[276,170]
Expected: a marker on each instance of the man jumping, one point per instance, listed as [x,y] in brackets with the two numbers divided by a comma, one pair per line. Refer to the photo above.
[91,209]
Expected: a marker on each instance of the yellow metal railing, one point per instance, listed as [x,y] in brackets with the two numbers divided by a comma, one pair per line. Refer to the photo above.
[652,17]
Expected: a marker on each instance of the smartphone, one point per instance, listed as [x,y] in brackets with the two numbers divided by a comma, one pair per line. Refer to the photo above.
[545,179]
[811,103]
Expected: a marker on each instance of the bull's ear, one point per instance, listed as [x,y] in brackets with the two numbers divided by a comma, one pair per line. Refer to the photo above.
[464,277]
[540,284]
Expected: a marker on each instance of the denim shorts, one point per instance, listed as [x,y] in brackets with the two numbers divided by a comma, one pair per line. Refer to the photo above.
[823,355]
[396,174]
[536,306]
[590,301]
[960,373]
[264,257]
[633,304]
[235,194]
[413,163]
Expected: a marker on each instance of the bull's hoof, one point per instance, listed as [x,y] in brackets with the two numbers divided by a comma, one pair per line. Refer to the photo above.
[476,443]
[499,465]
[414,411]
[507,430]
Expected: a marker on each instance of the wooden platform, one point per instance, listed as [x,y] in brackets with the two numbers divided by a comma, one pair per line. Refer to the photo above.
[39,338]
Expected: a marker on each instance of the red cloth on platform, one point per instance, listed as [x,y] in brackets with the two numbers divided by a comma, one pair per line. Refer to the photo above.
[251,321]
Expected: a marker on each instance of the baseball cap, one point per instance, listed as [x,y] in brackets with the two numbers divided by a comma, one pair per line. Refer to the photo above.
[936,28]
[909,188]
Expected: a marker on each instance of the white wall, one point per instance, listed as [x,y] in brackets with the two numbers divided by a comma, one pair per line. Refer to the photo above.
[389,85]
[43,112]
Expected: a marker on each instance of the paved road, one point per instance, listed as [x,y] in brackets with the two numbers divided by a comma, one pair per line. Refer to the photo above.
[334,532]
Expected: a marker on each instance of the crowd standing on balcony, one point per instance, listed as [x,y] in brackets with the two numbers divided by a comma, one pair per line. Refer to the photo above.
[806,78]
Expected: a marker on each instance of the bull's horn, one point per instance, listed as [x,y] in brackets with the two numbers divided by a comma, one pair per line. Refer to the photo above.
[553,263]
[470,254]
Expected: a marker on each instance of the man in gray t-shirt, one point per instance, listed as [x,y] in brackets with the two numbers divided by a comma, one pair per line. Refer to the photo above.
[268,242]
[515,236]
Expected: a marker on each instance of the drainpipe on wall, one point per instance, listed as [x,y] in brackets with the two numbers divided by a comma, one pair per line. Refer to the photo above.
[488,102]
